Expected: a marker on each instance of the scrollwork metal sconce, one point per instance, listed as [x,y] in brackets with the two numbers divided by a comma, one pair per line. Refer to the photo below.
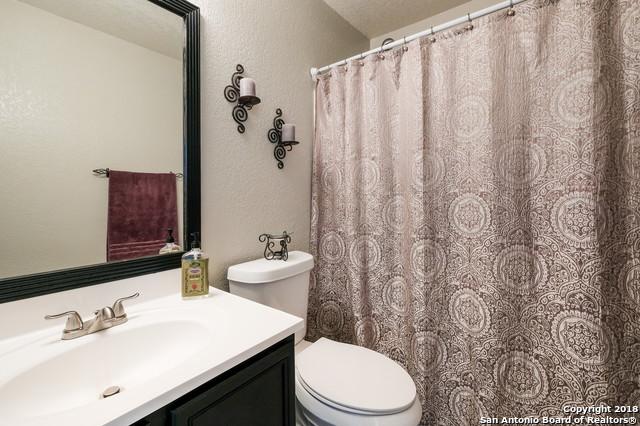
[244,102]
[275,137]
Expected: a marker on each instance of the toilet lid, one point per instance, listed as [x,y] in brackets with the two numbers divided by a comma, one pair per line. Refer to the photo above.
[355,378]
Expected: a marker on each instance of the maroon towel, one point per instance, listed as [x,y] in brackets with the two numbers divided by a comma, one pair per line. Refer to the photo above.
[141,208]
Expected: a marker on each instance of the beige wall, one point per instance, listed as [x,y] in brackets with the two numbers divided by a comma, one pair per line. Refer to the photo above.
[73,99]
[243,192]
[441,18]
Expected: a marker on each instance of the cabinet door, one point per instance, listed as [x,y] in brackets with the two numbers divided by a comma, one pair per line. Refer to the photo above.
[261,394]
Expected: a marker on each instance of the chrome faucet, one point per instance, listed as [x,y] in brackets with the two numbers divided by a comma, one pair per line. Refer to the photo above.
[106,317]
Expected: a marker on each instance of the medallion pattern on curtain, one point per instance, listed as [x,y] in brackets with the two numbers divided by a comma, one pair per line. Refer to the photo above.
[476,211]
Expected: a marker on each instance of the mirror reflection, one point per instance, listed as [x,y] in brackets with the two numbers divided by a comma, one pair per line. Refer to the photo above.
[86,86]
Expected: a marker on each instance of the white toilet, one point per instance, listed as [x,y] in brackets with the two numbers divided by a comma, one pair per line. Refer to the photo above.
[336,383]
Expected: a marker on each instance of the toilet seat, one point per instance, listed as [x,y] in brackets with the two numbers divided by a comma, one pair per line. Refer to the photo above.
[312,412]
[354,379]
[310,391]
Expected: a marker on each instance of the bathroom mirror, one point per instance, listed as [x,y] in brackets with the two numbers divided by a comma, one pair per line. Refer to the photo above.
[99,140]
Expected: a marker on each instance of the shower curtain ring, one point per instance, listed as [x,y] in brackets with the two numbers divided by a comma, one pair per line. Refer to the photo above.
[404,44]
[361,62]
[345,65]
[469,27]
[432,39]
[511,11]
[384,43]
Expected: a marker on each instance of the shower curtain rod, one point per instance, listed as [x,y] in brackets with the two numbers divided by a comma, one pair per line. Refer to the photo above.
[466,18]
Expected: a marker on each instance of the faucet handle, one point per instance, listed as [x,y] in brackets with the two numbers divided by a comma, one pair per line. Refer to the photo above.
[74,321]
[104,314]
[118,308]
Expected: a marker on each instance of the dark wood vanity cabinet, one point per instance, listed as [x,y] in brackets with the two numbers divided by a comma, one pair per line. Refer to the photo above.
[258,392]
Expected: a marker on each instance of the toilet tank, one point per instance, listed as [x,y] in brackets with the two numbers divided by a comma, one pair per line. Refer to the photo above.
[280,284]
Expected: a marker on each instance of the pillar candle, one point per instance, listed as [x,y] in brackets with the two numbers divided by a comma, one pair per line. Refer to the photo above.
[288,132]
[247,87]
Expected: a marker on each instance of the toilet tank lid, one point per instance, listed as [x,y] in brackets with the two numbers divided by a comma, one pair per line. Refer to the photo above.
[265,271]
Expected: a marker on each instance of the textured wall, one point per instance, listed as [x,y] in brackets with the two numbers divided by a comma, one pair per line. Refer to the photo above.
[73,99]
[441,18]
[375,17]
[243,192]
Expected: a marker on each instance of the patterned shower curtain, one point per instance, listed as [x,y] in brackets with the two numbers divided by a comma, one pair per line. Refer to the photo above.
[476,211]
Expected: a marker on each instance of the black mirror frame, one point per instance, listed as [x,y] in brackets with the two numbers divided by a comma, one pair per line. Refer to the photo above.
[22,287]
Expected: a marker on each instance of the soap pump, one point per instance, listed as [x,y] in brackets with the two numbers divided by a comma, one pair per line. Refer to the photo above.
[195,270]
[170,243]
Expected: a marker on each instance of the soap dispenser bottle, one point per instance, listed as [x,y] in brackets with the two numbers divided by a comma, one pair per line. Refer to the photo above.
[195,270]
[170,243]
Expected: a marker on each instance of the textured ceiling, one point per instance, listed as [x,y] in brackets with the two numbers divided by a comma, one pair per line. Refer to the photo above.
[376,17]
[139,22]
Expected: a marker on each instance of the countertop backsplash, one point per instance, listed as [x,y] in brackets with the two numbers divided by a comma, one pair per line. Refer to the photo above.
[27,315]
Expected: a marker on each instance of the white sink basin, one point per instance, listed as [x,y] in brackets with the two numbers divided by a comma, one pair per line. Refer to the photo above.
[166,349]
[126,356]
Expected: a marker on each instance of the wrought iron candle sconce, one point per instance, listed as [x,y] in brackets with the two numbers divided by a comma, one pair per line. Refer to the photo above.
[244,101]
[275,137]
[283,253]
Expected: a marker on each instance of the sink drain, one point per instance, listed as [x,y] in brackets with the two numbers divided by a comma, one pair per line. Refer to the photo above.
[110,391]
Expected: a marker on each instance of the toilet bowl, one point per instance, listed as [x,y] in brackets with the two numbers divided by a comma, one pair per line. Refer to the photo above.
[336,383]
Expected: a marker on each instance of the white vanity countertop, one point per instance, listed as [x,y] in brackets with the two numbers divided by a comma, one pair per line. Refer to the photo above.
[168,347]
